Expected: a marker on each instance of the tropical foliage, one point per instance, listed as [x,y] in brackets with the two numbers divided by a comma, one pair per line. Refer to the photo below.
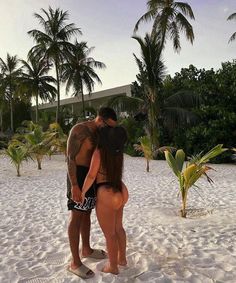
[59,141]
[17,153]
[10,74]
[215,112]
[52,42]
[78,72]
[35,81]
[169,19]
[232,17]
[195,168]
[145,147]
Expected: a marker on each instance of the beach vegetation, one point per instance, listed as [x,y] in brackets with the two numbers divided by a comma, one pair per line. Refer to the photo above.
[145,147]
[59,139]
[17,152]
[52,42]
[189,173]
[216,116]
[37,142]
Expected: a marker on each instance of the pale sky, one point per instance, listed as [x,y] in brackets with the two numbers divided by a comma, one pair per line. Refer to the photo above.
[108,25]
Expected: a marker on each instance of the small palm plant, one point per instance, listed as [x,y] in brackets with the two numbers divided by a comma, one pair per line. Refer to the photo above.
[17,154]
[59,140]
[145,147]
[195,168]
[38,143]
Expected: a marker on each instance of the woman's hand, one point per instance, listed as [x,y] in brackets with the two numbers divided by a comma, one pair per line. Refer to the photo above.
[82,197]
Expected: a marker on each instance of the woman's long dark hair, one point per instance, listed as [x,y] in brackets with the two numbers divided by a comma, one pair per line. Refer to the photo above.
[111,141]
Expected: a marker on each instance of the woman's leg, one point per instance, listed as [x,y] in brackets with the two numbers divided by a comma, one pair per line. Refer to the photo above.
[106,209]
[121,236]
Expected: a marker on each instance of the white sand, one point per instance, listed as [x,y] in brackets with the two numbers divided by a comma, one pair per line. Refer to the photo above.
[162,247]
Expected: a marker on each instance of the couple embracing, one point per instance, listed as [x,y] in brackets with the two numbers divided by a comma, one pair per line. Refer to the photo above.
[95,164]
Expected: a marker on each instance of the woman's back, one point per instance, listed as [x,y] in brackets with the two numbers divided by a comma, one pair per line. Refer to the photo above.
[111,145]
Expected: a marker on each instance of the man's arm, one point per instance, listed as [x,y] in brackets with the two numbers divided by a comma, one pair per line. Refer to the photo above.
[75,140]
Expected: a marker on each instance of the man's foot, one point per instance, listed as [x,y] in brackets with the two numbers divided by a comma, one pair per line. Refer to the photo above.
[96,254]
[108,269]
[82,271]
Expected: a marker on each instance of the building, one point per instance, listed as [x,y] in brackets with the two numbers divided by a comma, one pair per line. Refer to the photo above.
[94,100]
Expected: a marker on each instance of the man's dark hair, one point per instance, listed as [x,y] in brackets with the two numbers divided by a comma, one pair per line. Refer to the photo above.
[107,113]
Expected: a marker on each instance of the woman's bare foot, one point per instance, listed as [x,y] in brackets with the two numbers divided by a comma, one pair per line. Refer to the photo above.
[122,262]
[108,269]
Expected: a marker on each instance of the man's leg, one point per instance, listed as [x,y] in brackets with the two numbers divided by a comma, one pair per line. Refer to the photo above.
[74,234]
[85,233]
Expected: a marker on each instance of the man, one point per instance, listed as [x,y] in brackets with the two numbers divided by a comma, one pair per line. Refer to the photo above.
[80,147]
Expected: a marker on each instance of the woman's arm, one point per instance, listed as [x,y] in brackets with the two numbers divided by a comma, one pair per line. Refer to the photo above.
[125,193]
[92,173]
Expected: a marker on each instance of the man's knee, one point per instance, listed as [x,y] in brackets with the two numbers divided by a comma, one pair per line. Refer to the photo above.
[76,216]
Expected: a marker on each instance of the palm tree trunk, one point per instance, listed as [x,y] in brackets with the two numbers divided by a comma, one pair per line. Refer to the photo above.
[147,165]
[154,129]
[11,109]
[82,96]
[1,120]
[39,160]
[18,170]
[184,201]
[37,108]
[58,92]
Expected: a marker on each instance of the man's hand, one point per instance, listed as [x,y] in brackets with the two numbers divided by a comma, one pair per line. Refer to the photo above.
[76,194]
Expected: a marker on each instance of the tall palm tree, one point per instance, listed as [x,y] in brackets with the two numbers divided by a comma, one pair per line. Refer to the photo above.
[79,72]
[152,71]
[10,78]
[232,17]
[53,42]
[36,82]
[169,19]
[169,111]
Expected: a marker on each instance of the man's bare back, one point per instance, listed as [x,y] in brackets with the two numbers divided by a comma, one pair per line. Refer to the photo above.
[81,144]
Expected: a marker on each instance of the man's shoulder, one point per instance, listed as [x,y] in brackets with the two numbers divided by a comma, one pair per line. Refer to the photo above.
[83,127]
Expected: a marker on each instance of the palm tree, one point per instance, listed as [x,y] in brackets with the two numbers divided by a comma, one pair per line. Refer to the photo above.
[78,71]
[170,111]
[152,71]
[169,19]
[53,42]
[232,17]
[36,82]
[10,77]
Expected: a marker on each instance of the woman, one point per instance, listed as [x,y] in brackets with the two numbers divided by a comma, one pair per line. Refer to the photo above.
[106,168]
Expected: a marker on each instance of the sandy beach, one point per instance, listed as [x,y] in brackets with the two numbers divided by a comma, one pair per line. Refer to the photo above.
[162,246]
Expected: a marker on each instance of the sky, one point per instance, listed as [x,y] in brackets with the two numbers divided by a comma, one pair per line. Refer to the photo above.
[108,26]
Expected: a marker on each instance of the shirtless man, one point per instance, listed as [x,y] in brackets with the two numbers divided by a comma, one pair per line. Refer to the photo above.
[80,147]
